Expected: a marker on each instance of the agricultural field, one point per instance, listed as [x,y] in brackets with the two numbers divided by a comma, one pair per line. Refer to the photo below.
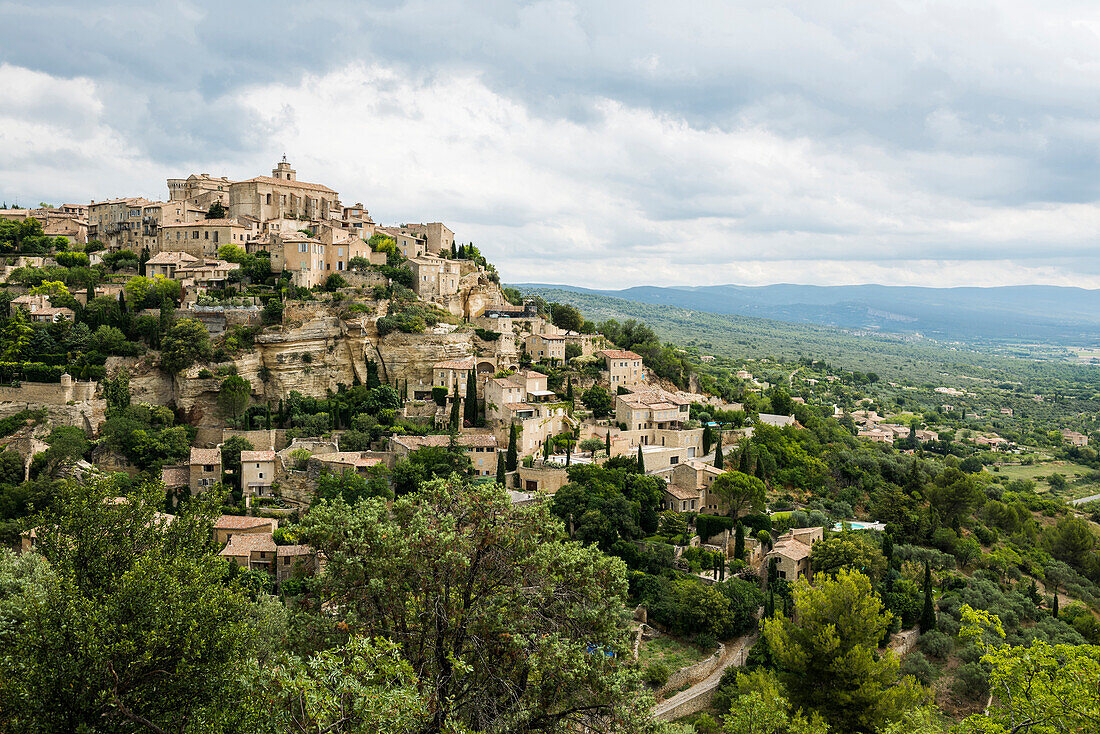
[1081,481]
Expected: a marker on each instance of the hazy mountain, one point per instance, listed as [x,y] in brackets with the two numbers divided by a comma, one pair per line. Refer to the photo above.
[1048,314]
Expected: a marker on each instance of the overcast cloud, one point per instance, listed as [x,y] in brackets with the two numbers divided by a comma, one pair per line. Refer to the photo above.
[600,144]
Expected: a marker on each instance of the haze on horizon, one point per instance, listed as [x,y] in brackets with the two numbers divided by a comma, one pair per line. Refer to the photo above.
[935,144]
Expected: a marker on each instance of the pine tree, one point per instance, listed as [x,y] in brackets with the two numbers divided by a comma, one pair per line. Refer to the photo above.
[739,543]
[500,468]
[470,414]
[512,459]
[455,416]
[719,459]
[928,614]
[641,460]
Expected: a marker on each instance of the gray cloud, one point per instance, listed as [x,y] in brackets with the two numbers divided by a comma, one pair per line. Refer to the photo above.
[723,133]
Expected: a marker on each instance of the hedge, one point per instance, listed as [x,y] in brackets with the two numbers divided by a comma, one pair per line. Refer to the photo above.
[710,525]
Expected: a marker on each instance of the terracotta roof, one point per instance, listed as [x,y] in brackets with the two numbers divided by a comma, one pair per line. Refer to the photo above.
[244,545]
[791,548]
[175,476]
[462,439]
[681,493]
[257,456]
[455,364]
[289,184]
[352,458]
[206,456]
[295,550]
[167,258]
[657,399]
[619,354]
[241,522]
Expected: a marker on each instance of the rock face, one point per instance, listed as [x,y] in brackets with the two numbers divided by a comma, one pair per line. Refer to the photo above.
[316,352]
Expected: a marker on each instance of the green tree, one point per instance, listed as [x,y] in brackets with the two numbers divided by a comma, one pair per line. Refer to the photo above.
[599,401]
[234,394]
[133,626]
[739,492]
[850,551]
[470,408]
[454,419]
[641,460]
[186,342]
[829,659]
[500,468]
[512,457]
[719,457]
[362,686]
[457,558]
[116,392]
[1040,688]
[217,210]
[567,317]
[928,611]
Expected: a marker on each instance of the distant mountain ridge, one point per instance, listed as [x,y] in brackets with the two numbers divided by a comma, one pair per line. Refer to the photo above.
[1051,314]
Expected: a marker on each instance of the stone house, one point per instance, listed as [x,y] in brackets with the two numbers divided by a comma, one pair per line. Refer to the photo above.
[479,445]
[282,195]
[792,552]
[409,244]
[541,479]
[624,368]
[691,481]
[437,237]
[295,560]
[545,347]
[203,238]
[253,551]
[524,400]
[205,467]
[257,473]
[229,526]
[453,375]
[1073,438]
[338,462]
[435,277]
[165,264]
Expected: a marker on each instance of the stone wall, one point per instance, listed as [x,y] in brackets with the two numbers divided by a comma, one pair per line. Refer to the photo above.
[693,674]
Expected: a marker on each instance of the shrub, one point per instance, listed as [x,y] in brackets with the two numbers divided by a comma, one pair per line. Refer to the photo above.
[971,681]
[487,335]
[936,644]
[656,674]
[916,665]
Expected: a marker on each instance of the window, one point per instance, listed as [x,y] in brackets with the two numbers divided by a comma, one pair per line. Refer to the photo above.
[261,475]
[269,198]
[206,235]
[215,237]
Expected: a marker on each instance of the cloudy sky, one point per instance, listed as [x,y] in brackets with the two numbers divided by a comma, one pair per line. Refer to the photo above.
[605,144]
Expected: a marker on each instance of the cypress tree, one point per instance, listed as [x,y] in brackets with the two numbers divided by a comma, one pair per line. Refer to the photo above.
[769,607]
[888,550]
[512,459]
[707,439]
[454,414]
[267,417]
[739,543]
[928,614]
[546,448]
[569,389]
[719,459]
[500,468]
[607,442]
[91,292]
[568,454]
[1054,604]
[641,460]
[471,413]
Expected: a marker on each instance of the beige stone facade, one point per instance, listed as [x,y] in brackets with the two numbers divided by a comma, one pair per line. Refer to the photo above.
[437,237]
[480,446]
[624,368]
[206,469]
[435,277]
[792,552]
[203,238]
[257,473]
[545,347]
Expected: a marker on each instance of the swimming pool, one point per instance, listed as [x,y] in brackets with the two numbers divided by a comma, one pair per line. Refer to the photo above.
[859,525]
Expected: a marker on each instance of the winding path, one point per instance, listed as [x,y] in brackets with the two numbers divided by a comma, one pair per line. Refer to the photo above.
[735,655]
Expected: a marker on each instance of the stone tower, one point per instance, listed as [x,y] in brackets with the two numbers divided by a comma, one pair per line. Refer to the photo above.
[283,171]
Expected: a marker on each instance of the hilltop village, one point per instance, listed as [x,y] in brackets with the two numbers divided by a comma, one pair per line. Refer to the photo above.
[323,421]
